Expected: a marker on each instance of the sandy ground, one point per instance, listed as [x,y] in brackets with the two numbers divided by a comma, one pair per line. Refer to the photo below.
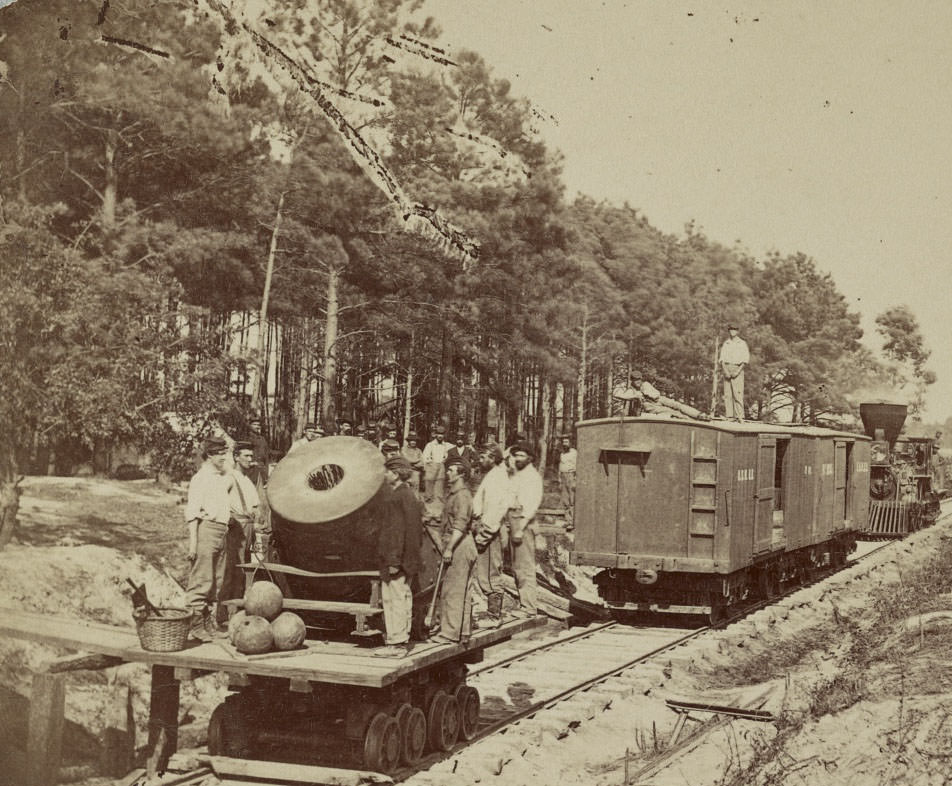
[858,699]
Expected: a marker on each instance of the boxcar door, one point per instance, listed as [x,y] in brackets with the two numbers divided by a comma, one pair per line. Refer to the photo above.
[840,467]
[764,496]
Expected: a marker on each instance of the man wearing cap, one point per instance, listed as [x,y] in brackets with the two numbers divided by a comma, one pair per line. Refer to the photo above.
[207,513]
[311,432]
[414,456]
[527,496]
[434,470]
[459,558]
[398,551]
[346,428]
[567,462]
[734,356]
[262,453]
[491,504]
[389,447]
[391,435]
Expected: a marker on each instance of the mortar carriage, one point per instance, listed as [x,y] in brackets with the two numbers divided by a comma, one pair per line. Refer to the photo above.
[337,700]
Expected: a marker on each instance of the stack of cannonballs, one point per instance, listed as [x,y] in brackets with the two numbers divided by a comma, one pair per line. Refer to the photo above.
[261,626]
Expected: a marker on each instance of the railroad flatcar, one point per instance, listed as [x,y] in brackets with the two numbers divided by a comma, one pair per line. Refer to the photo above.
[693,517]
[902,499]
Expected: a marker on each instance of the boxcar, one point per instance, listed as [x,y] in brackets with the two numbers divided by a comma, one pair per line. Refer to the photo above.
[693,517]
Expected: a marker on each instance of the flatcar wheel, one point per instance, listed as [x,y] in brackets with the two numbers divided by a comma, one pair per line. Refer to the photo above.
[442,722]
[228,732]
[467,698]
[413,734]
[382,744]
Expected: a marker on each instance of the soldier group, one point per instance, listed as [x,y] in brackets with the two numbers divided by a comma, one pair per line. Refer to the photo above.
[227,522]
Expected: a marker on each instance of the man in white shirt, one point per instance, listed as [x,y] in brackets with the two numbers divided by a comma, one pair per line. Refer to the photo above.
[243,501]
[527,496]
[491,504]
[434,470]
[207,512]
[567,462]
[733,358]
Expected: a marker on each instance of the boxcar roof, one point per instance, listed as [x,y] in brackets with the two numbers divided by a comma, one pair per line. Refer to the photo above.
[732,426]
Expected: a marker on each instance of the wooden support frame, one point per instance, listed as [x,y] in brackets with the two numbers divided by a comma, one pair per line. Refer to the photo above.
[45,735]
[163,719]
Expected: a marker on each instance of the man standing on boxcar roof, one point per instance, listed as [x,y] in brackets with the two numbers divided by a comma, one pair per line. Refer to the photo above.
[527,496]
[733,358]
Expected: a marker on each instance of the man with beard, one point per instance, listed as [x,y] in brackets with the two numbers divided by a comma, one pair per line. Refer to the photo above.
[491,505]
[567,462]
[207,513]
[527,496]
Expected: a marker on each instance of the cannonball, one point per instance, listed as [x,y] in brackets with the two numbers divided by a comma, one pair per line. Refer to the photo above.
[288,631]
[264,599]
[253,635]
[234,622]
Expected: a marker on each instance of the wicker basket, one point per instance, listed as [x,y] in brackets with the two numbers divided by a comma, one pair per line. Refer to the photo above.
[167,633]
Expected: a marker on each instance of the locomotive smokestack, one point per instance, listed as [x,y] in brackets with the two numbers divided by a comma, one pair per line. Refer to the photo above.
[888,418]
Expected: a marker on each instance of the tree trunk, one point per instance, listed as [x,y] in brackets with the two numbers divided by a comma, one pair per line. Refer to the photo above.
[583,366]
[9,494]
[110,192]
[263,315]
[329,404]
[547,404]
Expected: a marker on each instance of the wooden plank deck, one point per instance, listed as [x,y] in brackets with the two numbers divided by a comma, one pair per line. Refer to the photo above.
[342,663]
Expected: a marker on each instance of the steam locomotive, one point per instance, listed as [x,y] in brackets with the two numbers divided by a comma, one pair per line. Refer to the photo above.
[901,493]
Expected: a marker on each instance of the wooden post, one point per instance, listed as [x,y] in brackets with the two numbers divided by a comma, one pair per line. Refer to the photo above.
[119,736]
[45,736]
[163,719]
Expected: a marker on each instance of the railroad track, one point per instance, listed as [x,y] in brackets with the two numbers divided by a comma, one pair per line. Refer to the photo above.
[562,680]
[521,682]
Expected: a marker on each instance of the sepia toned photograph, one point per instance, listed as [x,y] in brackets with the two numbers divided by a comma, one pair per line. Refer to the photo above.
[444,393]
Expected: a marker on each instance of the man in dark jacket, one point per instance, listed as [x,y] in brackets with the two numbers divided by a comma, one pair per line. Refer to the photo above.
[398,550]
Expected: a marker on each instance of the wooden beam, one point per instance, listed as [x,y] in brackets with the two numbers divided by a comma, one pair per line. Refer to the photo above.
[163,719]
[45,735]
[82,661]
[294,773]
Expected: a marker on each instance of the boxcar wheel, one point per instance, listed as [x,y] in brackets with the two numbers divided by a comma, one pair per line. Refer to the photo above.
[468,700]
[442,722]
[382,744]
[718,612]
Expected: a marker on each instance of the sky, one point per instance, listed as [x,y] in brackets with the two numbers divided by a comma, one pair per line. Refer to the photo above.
[820,126]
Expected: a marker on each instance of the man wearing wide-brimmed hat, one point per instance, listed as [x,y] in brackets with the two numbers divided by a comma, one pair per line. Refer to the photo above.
[207,513]
[733,358]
